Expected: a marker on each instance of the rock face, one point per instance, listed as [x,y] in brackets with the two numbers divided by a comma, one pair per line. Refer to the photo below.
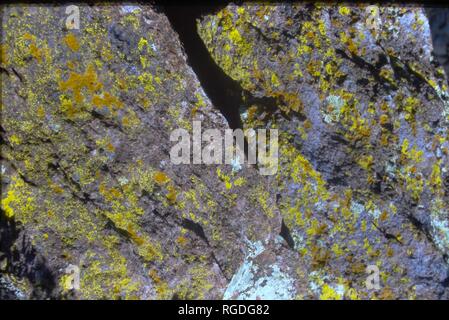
[89,192]
[87,174]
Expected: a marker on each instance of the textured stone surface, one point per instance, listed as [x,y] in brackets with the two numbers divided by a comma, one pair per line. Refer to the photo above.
[363,119]
[87,179]
[86,118]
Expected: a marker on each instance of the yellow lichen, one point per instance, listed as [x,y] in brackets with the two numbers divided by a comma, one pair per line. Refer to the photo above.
[344,10]
[18,200]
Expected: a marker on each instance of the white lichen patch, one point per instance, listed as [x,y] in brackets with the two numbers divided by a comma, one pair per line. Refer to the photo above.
[245,286]
[252,283]
[375,213]
[357,208]
[9,285]
[335,103]
[236,164]
[440,226]
[130,9]
[444,97]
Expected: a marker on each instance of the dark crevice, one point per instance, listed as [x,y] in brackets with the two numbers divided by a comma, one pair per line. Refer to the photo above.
[424,229]
[421,227]
[361,63]
[224,92]
[337,181]
[220,267]
[439,29]
[286,235]
[386,234]
[4,70]
[18,74]
[22,261]
[445,282]
[195,228]
[198,230]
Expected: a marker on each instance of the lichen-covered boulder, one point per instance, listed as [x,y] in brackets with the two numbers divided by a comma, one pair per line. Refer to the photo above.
[363,112]
[87,179]
[92,207]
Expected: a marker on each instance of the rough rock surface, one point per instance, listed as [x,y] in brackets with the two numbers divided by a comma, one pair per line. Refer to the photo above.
[87,181]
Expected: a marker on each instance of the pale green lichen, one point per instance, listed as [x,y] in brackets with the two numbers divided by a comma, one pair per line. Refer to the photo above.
[336,103]
[244,285]
[440,225]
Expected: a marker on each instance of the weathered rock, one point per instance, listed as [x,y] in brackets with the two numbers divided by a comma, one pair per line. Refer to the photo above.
[88,185]
[363,116]
[86,117]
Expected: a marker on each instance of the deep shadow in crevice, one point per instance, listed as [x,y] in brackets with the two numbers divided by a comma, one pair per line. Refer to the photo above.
[195,228]
[439,28]
[286,235]
[23,262]
[224,92]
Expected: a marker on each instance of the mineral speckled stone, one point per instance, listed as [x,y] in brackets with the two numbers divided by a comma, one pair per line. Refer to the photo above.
[92,207]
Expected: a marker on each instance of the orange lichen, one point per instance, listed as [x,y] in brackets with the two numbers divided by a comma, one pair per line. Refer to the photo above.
[72,42]
[3,54]
[107,100]
[36,52]
[77,82]
[161,178]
